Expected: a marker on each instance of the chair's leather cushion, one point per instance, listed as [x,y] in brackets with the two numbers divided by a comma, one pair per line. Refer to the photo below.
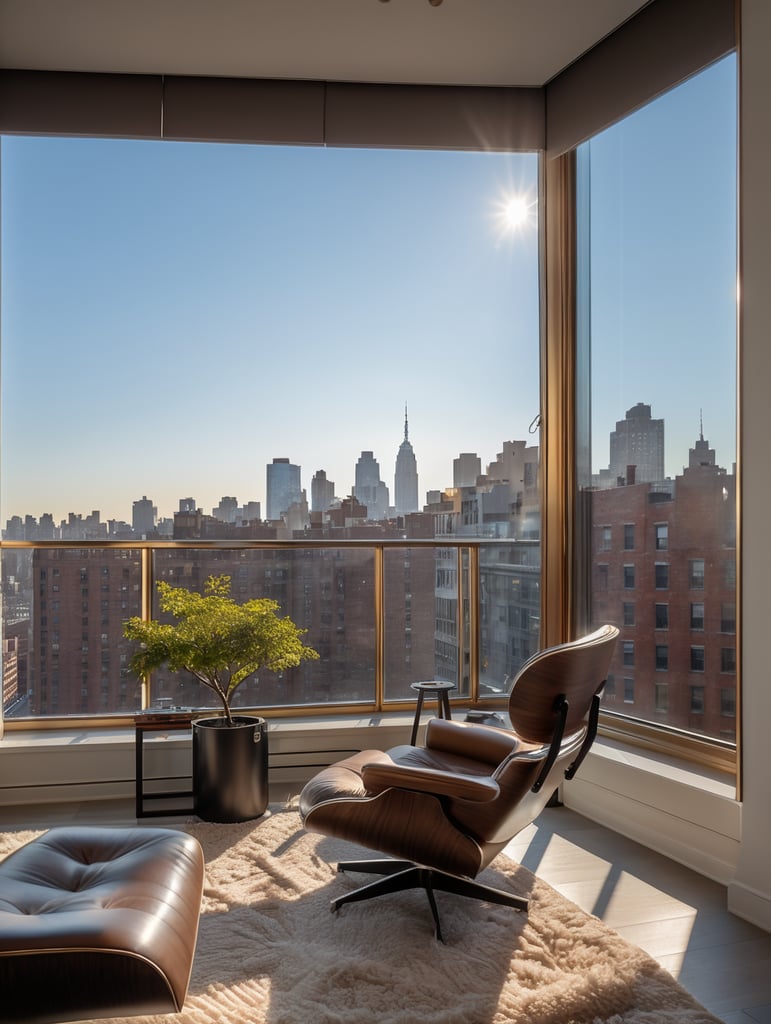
[98,922]
[482,744]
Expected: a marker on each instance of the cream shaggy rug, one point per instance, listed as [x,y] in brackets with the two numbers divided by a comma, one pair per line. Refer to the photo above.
[270,952]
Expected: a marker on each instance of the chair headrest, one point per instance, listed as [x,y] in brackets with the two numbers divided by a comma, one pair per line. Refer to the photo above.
[575,670]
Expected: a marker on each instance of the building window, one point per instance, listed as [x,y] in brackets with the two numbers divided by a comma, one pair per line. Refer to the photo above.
[697,615]
[728,659]
[628,536]
[628,577]
[628,653]
[662,657]
[661,616]
[697,700]
[728,617]
[728,701]
[662,536]
[601,577]
[628,613]
[662,697]
[696,574]
[661,576]
[729,574]
[697,659]
[628,690]
[606,538]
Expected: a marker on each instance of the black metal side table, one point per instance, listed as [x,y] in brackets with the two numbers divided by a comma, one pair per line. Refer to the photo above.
[163,721]
[432,688]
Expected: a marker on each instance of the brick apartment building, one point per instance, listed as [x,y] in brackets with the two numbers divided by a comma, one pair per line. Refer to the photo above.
[664,572]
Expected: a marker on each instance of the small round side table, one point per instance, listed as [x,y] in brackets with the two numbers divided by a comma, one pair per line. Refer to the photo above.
[436,689]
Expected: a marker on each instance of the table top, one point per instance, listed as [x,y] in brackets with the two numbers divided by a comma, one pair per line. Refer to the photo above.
[175,716]
[432,685]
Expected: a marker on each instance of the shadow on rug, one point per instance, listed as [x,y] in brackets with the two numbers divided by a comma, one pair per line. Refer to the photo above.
[270,952]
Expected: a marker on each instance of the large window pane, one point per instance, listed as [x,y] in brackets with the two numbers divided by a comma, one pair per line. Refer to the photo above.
[252,343]
[657,278]
[327,591]
[63,646]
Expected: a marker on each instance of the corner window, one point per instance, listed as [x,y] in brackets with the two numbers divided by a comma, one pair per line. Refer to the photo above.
[656,396]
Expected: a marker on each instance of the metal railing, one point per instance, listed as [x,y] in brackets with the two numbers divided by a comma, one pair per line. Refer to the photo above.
[482,570]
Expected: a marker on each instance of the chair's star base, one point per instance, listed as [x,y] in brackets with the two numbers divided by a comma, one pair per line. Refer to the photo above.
[401,875]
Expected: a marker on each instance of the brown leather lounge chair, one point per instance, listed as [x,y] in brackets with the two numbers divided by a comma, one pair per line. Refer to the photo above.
[447,809]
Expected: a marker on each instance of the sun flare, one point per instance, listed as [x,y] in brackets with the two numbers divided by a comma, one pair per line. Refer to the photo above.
[515,212]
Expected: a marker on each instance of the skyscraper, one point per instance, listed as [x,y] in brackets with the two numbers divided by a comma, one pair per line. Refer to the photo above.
[406,476]
[226,510]
[369,489]
[143,516]
[322,491]
[283,487]
[465,469]
[636,448]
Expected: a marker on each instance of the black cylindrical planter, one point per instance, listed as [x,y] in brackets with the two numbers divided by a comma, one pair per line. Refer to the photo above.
[230,768]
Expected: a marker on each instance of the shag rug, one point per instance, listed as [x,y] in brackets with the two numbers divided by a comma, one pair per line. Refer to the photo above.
[270,952]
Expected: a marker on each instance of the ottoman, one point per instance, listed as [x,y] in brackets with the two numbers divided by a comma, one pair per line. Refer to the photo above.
[98,922]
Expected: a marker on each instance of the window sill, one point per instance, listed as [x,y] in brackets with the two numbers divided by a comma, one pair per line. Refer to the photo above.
[685,811]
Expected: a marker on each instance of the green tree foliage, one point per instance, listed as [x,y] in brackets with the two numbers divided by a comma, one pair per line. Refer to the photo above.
[220,642]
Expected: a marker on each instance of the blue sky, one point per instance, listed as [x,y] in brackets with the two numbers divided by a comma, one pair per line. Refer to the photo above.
[663,293]
[175,316]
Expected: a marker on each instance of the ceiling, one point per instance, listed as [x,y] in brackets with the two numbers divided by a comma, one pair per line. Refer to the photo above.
[465,42]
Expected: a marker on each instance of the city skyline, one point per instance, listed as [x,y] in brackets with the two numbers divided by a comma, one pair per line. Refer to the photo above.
[605,478]
[209,307]
[175,315]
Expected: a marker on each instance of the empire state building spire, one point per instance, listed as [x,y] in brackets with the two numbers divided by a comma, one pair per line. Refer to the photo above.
[406,475]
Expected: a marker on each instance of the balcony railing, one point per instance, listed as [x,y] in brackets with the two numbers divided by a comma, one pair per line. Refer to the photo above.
[381,613]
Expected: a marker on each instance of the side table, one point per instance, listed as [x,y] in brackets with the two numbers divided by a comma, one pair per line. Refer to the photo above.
[433,688]
[164,721]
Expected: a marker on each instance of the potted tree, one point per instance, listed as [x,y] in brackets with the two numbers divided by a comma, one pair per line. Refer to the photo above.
[221,643]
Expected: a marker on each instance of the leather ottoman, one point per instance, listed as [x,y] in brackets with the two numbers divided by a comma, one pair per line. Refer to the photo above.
[98,922]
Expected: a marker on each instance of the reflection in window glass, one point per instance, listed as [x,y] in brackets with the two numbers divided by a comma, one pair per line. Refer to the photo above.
[657,333]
